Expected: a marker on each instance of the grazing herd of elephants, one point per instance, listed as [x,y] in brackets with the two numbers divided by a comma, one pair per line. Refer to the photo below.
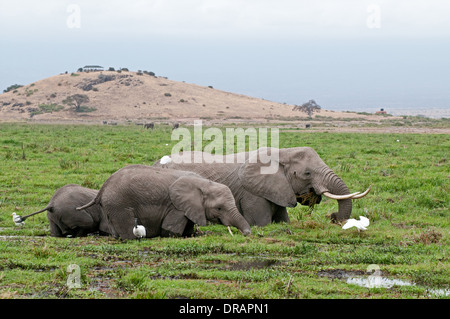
[170,197]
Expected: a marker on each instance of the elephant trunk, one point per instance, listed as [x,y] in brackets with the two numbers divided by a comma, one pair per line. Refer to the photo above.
[237,220]
[332,183]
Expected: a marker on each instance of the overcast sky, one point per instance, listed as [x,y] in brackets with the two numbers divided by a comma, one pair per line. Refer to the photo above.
[349,55]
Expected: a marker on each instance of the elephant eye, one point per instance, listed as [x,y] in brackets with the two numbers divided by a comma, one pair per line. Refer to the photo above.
[219,208]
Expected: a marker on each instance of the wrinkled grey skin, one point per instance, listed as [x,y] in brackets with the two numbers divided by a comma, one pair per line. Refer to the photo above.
[65,220]
[166,202]
[263,198]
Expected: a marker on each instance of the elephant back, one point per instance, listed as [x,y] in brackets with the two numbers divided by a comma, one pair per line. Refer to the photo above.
[70,196]
[140,181]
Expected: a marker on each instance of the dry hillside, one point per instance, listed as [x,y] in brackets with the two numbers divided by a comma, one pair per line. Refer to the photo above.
[138,97]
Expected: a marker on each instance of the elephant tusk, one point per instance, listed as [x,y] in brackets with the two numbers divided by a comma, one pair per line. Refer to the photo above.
[229,229]
[339,197]
[352,196]
[363,194]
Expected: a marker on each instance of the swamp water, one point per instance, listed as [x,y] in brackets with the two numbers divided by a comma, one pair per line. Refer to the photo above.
[375,280]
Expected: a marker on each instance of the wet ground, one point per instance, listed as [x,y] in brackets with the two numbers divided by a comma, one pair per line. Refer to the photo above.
[374,279]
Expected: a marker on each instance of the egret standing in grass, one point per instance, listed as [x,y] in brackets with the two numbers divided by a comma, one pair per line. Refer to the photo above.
[360,224]
[17,220]
[138,230]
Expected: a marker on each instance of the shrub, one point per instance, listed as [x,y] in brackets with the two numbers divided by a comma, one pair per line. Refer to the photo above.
[29,92]
[12,88]
[85,109]
[46,108]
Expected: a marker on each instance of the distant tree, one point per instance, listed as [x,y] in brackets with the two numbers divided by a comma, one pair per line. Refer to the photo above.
[309,108]
[76,100]
[149,73]
[111,68]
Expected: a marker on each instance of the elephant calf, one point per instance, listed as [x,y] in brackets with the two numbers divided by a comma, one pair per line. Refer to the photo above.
[65,220]
[166,202]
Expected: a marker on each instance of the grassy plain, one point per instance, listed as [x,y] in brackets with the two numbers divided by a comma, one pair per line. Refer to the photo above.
[408,238]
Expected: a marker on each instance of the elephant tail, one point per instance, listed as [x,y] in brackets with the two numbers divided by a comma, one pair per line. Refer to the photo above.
[92,202]
[49,208]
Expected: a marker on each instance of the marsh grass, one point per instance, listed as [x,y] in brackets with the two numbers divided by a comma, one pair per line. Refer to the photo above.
[408,207]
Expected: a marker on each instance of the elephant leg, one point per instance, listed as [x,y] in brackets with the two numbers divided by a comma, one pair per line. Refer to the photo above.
[76,223]
[256,210]
[104,227]
[189,230]
[55,231]
[121,221]
[106,224]
[81,232]
[175,224]
[280,214]
[57,227]
[79,221]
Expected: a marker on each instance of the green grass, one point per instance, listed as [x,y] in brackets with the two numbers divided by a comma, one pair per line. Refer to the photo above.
[408,237]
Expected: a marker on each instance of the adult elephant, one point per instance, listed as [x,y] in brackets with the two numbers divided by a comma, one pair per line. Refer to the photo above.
[65,220]
[166,202]
[300,175]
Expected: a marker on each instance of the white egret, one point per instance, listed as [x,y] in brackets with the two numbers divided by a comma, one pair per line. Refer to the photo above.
[165,159]
[138,230]
[360,224]
[17,220]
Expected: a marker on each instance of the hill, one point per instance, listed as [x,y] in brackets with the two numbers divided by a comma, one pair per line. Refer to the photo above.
[139,97]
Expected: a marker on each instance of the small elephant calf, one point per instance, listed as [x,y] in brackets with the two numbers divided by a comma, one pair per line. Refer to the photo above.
[65,220]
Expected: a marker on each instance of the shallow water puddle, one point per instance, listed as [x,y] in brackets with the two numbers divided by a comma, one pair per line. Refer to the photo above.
[378,282]
[375,280]
[384,282]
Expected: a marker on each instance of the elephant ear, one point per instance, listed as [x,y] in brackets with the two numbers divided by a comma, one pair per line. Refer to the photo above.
[266,178]
[187,196]
[175,222]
